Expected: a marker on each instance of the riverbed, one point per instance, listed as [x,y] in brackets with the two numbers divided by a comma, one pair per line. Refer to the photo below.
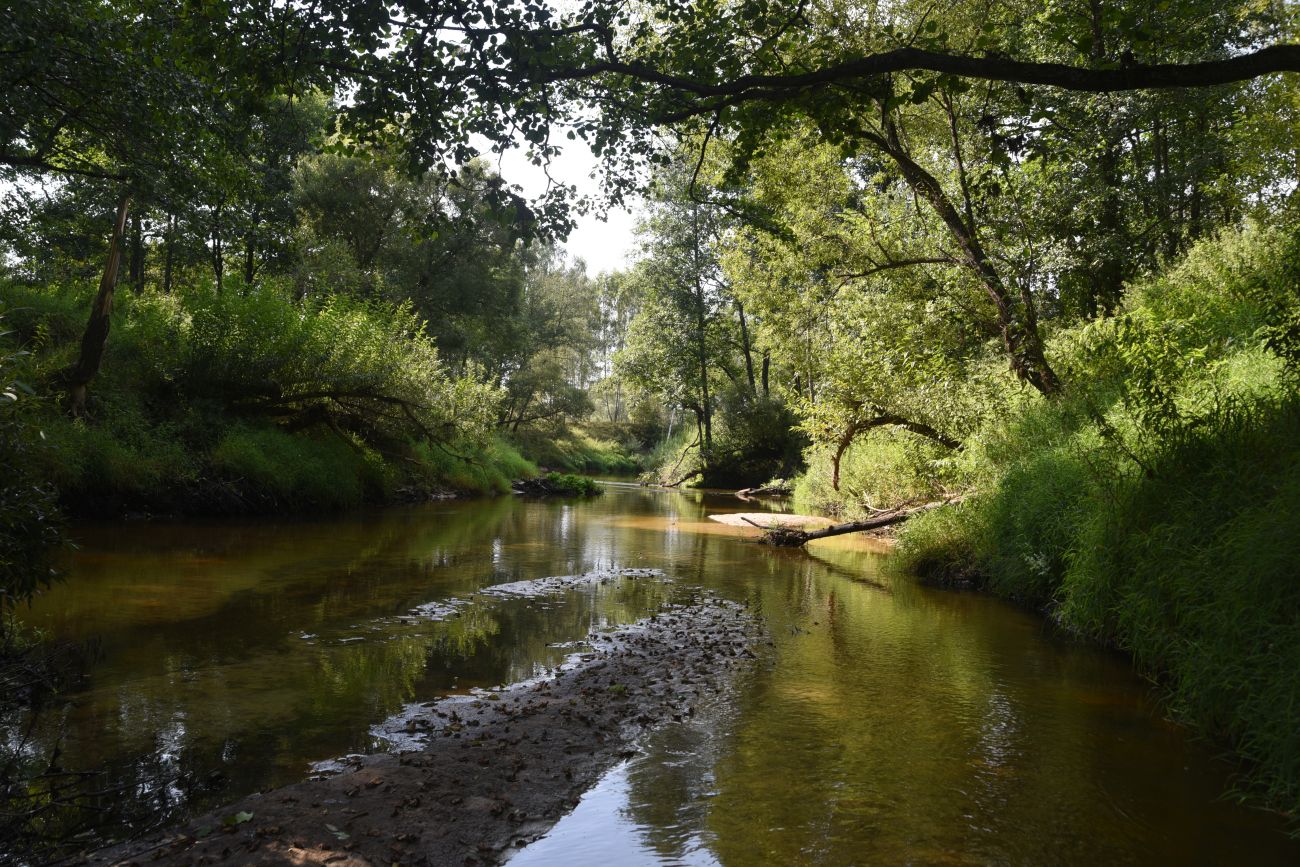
[884,723]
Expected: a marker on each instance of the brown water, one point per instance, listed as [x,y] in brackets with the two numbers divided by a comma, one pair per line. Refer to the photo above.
[889,723]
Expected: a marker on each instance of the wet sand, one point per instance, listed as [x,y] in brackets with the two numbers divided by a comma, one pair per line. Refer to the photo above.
[495,770]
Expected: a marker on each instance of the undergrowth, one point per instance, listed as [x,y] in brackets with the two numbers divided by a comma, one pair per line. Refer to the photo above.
[224,403]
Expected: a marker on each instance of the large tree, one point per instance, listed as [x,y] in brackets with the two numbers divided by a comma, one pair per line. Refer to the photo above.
[615,75]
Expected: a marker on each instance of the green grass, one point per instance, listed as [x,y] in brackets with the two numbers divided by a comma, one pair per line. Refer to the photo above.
[575,451]
[184,414]
[486,470]
[302,473]
[1156,507]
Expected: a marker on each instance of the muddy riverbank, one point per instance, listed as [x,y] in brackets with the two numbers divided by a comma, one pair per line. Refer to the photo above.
[490,772]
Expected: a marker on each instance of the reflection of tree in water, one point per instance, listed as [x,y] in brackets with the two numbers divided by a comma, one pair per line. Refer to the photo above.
[298,646]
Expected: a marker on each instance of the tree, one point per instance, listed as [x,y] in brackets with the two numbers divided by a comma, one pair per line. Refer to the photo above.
[142,95]
[751,69]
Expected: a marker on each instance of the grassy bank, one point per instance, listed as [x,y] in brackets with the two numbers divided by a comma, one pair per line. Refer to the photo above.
[252,402]
[573,450]
[1155,507]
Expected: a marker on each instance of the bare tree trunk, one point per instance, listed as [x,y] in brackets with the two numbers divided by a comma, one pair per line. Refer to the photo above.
[744,340]
[767,364]
[137,253]
[168,257]
[95,339]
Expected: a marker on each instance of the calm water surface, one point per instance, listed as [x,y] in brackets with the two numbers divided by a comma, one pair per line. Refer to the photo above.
[889,724]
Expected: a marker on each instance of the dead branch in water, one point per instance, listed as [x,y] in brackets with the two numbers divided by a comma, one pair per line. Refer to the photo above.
[789,537]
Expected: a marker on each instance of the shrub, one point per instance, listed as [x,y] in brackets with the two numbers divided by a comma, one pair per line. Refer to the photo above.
[29,521]
[1153,507]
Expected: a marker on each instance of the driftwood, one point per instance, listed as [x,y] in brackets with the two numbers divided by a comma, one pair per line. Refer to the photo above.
[692,474]
[766,491]
[789,537]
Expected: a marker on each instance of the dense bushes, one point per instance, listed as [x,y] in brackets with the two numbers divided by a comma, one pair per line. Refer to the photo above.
[755,440]
[1154,507]
[577,451]
[29,523]
[235,402]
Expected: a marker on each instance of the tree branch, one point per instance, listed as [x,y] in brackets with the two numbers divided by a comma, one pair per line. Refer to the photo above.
[1134,76]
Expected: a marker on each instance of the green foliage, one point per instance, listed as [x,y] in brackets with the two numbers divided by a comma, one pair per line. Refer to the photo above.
[487,471]
[1153,508]
[570,485]
[576,451]
[674,459]
[757,440]
[29,521]
[367,367]
[882,469]
[229,402]
[304,473]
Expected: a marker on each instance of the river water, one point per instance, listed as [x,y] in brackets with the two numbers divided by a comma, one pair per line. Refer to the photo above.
[887,724]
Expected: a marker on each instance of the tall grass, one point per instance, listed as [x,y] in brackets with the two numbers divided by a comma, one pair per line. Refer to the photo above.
[235,402]
[576,451]
[1156,507]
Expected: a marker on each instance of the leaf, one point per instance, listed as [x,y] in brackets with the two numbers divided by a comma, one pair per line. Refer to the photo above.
[237,819]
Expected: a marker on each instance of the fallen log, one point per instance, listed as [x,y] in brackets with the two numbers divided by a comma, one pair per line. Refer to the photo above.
[692,474]
[766,491]
[790,537]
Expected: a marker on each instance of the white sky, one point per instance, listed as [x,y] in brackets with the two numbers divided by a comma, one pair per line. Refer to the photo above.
[603,245]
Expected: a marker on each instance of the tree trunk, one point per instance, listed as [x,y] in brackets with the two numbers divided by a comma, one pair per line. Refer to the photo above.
[169,256]
[250,254]
[1018,322]
[95,339]
[767,363]
[744,341]
[250,251]
[218,248]
[137,253]
[702,349]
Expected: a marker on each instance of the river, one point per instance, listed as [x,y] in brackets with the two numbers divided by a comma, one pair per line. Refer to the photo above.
[888,723]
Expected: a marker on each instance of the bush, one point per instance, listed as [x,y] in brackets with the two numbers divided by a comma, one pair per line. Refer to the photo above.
[754,439]
[881,469]
[1153,507]
[236,402]
[569,485]
[29,521]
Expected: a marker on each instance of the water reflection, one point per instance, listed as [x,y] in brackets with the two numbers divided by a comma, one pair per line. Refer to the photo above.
[888,724]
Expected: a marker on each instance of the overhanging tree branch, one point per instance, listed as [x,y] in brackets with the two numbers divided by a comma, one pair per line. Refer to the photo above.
[1134,76]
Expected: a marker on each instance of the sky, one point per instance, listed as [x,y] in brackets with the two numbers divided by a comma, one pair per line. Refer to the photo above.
[603,245]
